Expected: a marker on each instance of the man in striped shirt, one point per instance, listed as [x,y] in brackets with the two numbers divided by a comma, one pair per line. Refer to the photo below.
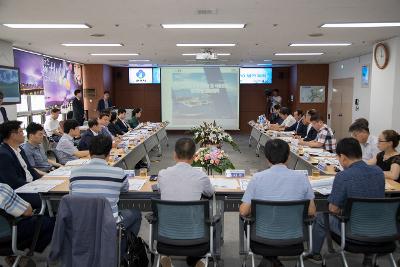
[97,179]
[14,205]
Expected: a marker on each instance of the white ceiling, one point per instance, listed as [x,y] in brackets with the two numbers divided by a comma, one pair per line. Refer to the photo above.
[140,31]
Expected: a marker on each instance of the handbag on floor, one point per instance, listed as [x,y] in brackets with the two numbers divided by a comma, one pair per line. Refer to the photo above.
[136,252]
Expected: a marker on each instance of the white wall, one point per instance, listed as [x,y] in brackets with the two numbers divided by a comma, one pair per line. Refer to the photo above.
[7,59]
[351,68]
[385,95]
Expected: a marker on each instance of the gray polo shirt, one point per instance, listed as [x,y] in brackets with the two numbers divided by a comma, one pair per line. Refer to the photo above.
[65,149]
[183,183]
[36,156]
[278,183]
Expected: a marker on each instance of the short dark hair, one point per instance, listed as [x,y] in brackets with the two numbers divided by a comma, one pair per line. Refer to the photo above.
[311,112]
[284,111]
[299,112]
[275,90]
[100,145]
[70,115]
[33,128]
[104,114]
[70,125]
[349,147]
[121,110]
[316,117]
[9,127]
[358,126]
[185,148]
[113,116]
[77,91]
[1,95]
[93,122]
[392,136]
[363,121]
[106,92]
[136,111]
[277,107]
[55,110]
[276,151]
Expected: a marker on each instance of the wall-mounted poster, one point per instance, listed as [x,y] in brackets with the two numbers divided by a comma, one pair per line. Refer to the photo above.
[60,80]
[312,94]
[365,76]
[30,71]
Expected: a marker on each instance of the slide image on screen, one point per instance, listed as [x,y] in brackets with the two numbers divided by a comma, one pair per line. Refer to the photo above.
[191,95]
[9,85]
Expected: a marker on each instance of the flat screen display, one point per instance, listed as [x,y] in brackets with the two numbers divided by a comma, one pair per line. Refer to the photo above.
[9,85]
[256,75]
[156,75]
[140,75]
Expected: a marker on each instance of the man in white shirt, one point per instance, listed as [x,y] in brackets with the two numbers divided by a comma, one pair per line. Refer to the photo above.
[52,125]
[288,120]
[182,182]
[368,143]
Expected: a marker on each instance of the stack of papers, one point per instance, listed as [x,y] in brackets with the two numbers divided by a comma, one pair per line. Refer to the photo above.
[244,183]
[323,186]
[77,162]
[136,184]
[224,183]
[39,186]
[62,171]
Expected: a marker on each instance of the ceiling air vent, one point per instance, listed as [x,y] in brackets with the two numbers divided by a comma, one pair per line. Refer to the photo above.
[207,11]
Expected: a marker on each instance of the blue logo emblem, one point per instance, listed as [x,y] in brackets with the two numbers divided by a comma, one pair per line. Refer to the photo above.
[140,74]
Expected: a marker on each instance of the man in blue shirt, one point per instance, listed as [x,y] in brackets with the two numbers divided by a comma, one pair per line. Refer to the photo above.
[277,183]
[357,180]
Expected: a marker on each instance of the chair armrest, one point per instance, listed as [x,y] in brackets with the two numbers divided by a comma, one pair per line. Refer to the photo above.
[214,220]
[247,219]
[309,220]
[12,221]
[340,217]
[151,218]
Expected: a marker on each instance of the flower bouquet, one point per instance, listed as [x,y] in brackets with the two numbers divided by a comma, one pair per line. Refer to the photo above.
[212,134]
[212,159]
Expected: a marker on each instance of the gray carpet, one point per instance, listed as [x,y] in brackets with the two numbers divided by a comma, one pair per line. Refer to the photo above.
[247,160]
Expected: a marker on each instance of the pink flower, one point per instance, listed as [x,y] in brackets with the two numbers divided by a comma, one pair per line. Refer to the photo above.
[212,161]
[216,161]
[220,156]
[207,157]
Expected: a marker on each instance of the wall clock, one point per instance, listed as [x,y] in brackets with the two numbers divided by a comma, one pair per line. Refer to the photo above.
[381,55]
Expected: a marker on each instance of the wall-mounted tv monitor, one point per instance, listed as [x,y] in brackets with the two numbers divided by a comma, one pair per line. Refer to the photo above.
[156,75]
[9,85]
[140,75]
[255,75]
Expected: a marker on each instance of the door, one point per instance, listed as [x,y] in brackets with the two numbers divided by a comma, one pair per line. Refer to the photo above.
[341,106]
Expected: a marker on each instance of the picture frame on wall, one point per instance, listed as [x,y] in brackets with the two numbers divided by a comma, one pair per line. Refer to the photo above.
[365,76]
[312,94]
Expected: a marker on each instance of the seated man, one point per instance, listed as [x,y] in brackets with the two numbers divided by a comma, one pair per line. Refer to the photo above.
[14,205]
[368,142]
[66,149]
[356,180]
[275,118]
[112,126]
[35,152]
[325,138]
[299,127]
[288,120]
[311,133]
[87,136]
[15,169]
[121,123]
[182,182]
[104,180]
[277,183]
[104,120]
[52,125]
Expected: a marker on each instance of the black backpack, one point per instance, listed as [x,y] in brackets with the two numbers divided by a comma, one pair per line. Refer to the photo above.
[136,252]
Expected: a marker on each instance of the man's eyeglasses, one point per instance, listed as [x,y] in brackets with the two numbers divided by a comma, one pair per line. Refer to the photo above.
[383,141]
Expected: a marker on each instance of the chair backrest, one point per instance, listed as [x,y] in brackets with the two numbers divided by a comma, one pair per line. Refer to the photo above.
[5,227]
[181,223]
[372,219]
[278,222]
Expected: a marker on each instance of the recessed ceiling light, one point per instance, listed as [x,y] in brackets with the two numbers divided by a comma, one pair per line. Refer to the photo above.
[299,54]
[320,44]
[139,60]
[267,60]
[114,54]
[194,54]
[204,26]
[361,25]
[205,45]
[69,44]
[47,26]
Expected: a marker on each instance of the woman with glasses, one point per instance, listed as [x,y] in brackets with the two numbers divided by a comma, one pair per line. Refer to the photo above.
[388,159]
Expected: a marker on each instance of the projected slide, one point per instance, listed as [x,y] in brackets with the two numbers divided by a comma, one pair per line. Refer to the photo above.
[191,95]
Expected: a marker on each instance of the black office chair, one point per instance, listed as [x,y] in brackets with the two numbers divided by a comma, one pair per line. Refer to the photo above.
[368,226]
[9,244]
[277,228]
[53,153]
[182,229]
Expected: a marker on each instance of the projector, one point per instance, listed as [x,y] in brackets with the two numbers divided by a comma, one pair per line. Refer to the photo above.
[206,56]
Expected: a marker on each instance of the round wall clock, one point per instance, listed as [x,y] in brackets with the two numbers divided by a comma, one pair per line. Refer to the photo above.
[381,55]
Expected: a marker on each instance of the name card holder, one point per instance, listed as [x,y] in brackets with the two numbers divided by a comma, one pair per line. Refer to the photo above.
[235,173]
[321,166]
[306,156]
